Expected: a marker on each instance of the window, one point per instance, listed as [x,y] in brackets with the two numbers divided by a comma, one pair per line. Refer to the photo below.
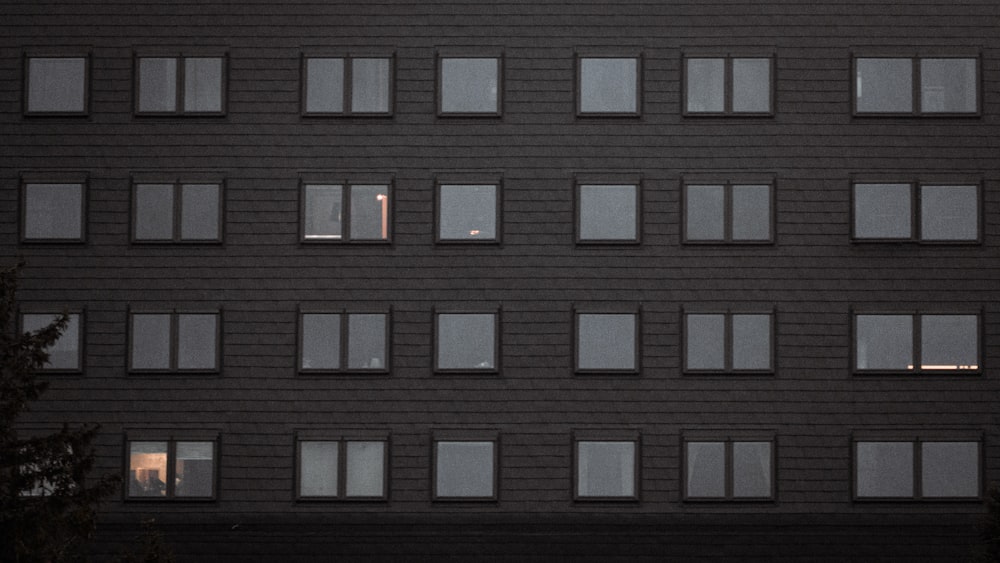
[345,212]
[608,86]
[469,85]
[728,85]
[468,213]
[731,213]
[176,212]
[608,213]
[181,85]
[607,342]
[56,85]
[945,213]
[728,470]
[345,469]
[344,342]
[891,342]
[606,470]
[170,341]
[906,85]
[347,85]
[465,470]
[467,342]
[66,353]
[171,469]
[53,212]
[728,342]
[926,470]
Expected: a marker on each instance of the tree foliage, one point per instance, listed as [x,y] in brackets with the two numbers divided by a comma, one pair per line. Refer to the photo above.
[989,529]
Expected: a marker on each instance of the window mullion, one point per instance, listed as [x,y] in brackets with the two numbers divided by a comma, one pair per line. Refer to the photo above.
[345,212]
[174,340]
[342,469]
[918,487]
[179,102]
[727,212]
[178,208]
[727,341]
[728,469]
[348,86]
[916,93]
[171,467]
[727,88]
[344,340]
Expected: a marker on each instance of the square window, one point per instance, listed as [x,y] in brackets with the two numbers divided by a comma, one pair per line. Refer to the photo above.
[884,469]
[608,85]
[728,85]
[180,85]
[53,212]
[949,213]
[466,342]
[947,85]
[884,342]
[342,86]
[606,470]
[177,213]
[883,211]
[728,342]
[65,353]
[608,213]
[174,342]
[949,342]
[470,85]
[465,470]
[468,212]
[949,469]
[171,469]
[331,341]
[56,85]
[946,343]
[606,342]
[324,219]
[727,213]
[321,463]
[883,85]
[728,470]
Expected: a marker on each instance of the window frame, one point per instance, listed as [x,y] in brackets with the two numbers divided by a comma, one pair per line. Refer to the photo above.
[916,440]
[588,53]
[81,336]
[180,56]
[76,179]
[85,53]
[915,81]
[348,58]
[172,439]
[497,342]
[342,439]
[451,436]
[727,210]
[636,313]
[626,179]
[174,343]
[346,190]
[177,209]
[916,210]
[442,53]
[344,342]
[496,183]
[728,83]
[728,314]
[728,439]
[603,436]
[916,329]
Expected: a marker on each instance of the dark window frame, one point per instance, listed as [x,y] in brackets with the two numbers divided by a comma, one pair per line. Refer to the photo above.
[175,341]
[916,210]
[915,346]
[69,179]
[496,183]
[729,469]
[915,85]
[342,439]
[451,436]
[625,179]
[85,53]
[177,209]
[344,342]
[346,191]
[470,53]
[636,54]
[603,436]
[180,56]
[81,337]
[727,204]
[172,439]
[495,370]
[728,84]
[728,314]
[636,313]
[348,58]
[916,440]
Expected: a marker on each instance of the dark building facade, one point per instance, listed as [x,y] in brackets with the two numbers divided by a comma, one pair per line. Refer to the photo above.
[517,280]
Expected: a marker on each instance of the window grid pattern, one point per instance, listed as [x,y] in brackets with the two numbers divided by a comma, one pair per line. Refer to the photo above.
[918,212]
[728,85]
[360,85]
[180,85]
[921,343]
[356,212]
[933,85]
[922,469]
[731,213]
[176,212]
[355,341]
[163,469]
[729,342]
[347,469]
[729,470]
[172,341]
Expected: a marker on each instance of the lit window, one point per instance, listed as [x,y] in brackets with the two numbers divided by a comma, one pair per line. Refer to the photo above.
[886,85]
[466,342]
[366,218]
[174,342]
[946,213]
[171,469]
[728,342]
[727,213]
[606,470]
[608,85]
[606,342]
[178,212]
[468,212]
[361,475]
[887,469]
[465,470]
[342,86]
[470,85]
[323,342]
[728,85]
[181,85]
[53,212]
[56,85]
[608,213]
[66,352]
[728,470]
[945,343]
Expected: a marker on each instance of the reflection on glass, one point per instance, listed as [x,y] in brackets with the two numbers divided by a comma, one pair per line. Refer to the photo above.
[949,213]
[706,469]
[464,469]
[605,469]
[157,84]
[608,212]
[150,341]
[466,341]
[705,213]
[884,469]
[203,84]
[751,469]
[467,212]
[706,85]
[606,341]
[469,85]
[324,85]
[948,85]
[318,465]
[751,212]
[950,469]
[609,85]
[949,342]
[882,211]
[751,85]
[884,342]
[196,341]
[370,85]
[366,341]
[751,342]
[365,469]
[194,471]
[884,85]
[320,341]
[323,207]
[64,353]
[154,211]
[706,342]
[56,84]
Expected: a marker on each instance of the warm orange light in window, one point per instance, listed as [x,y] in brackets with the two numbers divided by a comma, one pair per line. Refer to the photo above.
[384,199]
[474,232]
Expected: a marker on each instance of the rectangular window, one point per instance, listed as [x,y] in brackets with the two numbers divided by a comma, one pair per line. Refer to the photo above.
[607,342]
[470,85]
[606,470]
[468,213]
[66,353]
[344,469]
[890,343]
[56,85]
[467,342]
[177,212]
[53,212]
[728,85]
[186,85]
[934,213]
[171,469]
[465,470]
[728,342]
[347,85]
[608,86]
[924,470]
[172,341]
[728,213]
[608,213]
[728,470]
[345,212]
[332,342]
[916,86]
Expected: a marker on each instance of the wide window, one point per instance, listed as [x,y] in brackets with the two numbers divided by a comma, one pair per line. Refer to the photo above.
[927,470]
[170,341]
[945,213]
[347,86]
[65,354]
[470,85]
[181,85]
[344,342]
[728,342]
[465,470]
[346,469]
[608,85]
[178,212]
[468,213]
[736,213]
[53,212]
[728,85]
[606,470]
[345,212]
[171,469]
[56,85]
[466,342]
[906,85]
[906,343]
[607,342]
[608,213]
[728,470]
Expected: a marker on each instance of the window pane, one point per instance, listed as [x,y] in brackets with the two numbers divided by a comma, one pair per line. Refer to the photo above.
[468,212]
[200,212]
[370,85]
[53,211]
[324,85]
[150,341]
[752,212]
[608,85]
[469,85]
[885,469]
[57,84]
[752,85]
[882,211]
[706,83]
[751,469]
[369,212]
[203,84]
[948,85]
[194,471]
[64,353]
[706,469]
[608,212]
[320,341]
[885,342]
[705,219]
[323,211]
[196,347]
[464,469]
[466,341]
[950,469]
[884,85]
[606,341]
[949,213]
[949,342]
[147,468]
[318,469]
[154,211]
[605,469]
[365,469]
[157,84]
[751,342]
[366,341]
[706,343]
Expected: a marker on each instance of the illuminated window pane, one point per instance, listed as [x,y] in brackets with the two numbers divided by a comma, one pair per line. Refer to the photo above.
[147,469]
[369,212]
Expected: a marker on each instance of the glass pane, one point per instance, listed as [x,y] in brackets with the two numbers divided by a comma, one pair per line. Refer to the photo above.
[320,341]
[318,464]
[882,211]
[196,347]
[706,345]
[194,472]
[950,469]
[370,85]
[752,212]
[323,211]
[53,211]
[949,213]
[706,85]
[200,212]
[365,469]
[366,341]
[609,85]
[885,469]
[605,469]
[464,469]
[752,85]
[324,85]
[885,342]
[608,212]
[157,84]
[706,469]
[706,214]
[154,211]
[468,212]
[466,341]
[64,353]
[751,469]
[150,341]
[751,342]
[948,85]
[203,84]
[469,85]
[57,84]
[369,212]
[606,341]
[884,85]
[949,342]
[147,469]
